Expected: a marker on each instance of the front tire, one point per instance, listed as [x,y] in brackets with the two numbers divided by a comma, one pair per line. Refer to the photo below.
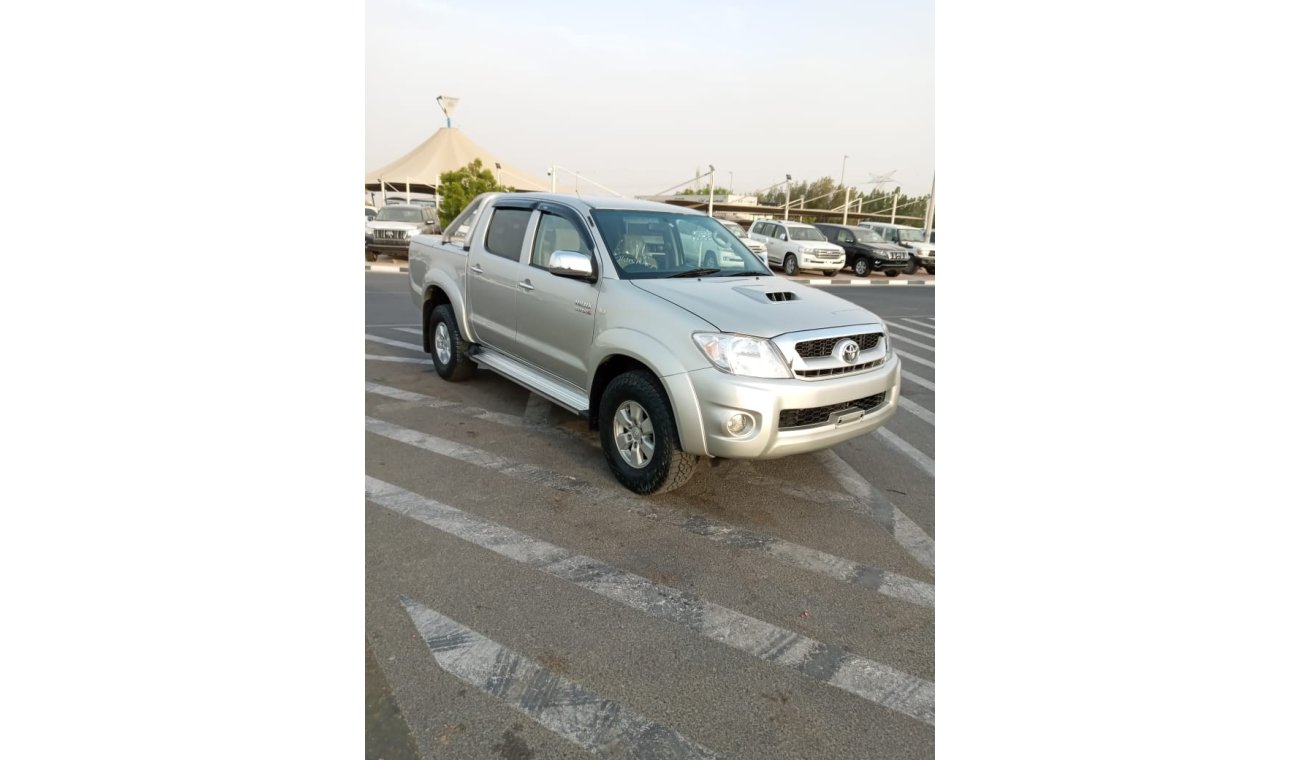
[911,266]
[370,256]
[930,270]
[862,266]
[639,435]
[791,265]
[450,350]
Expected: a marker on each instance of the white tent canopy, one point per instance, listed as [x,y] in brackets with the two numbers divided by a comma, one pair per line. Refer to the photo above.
[447,150]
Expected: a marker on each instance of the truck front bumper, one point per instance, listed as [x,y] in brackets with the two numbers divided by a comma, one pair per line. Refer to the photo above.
[819,413]
[399,248]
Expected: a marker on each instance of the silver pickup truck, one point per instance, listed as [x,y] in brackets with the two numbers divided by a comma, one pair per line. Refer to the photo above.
[656,324]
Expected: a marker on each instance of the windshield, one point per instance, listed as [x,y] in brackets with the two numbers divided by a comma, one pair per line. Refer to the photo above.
[654,244]
[806,233]
[911,236]
[865,235]
[396,214]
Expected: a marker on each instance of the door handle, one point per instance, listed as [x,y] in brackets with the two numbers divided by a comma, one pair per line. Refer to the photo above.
[526,285]
[476,269]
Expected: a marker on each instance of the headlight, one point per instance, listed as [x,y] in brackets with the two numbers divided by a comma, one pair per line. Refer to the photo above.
[742,355]
[889,344]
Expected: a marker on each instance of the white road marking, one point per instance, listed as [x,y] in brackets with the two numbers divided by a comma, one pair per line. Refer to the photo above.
[411,330]
[913,357]
[921,381]
[919,322]
[917,343]
[916,409]
[601,726]
[395,343]
[908,450]
[896,326]
[826,663]
[877,506]
[805,558]
[400,359]
[899,282]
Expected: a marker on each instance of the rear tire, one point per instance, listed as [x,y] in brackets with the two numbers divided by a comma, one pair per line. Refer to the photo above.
[791,265]
[450,350]
[639,435]
[930,269]
[830,272]
[891,272]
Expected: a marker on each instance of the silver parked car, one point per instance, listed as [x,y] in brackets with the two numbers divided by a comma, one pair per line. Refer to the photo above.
[796,247]
[655,323]
[391,230]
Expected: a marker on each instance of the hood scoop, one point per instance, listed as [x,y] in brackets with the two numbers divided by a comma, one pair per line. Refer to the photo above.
[768,296]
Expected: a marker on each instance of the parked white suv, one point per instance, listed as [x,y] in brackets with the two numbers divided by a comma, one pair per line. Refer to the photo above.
[795,247]
[911,238]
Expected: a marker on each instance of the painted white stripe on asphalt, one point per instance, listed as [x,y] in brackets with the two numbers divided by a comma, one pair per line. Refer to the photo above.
[796,555]
[908,450]
[400,359]
[896,326]
[916,409]
[900,282]
[897,337]
[919,322]
[874,504]
[913,357]
[411,330]
[921,381]
[395,343]
[826,663]
[601,726]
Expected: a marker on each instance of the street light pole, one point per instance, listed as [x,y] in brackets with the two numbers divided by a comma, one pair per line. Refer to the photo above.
[710,191]
[843,164]
[893,215]
[552,173]
[787,196]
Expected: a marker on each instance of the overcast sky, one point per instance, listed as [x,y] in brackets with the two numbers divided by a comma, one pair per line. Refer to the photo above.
[638,95]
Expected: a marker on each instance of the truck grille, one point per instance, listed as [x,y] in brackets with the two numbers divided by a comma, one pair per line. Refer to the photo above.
[815,373]
[754,247]
[797,418]
[813,349]
[389,234]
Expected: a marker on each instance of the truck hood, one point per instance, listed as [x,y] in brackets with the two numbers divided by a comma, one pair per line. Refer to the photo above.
[737,305]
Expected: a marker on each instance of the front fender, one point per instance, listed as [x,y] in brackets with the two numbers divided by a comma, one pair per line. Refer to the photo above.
[669,365]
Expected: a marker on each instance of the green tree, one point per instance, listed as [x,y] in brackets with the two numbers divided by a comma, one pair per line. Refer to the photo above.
[457,188]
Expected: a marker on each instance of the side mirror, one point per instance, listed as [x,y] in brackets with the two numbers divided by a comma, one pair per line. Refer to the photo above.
[571,264]
[784,239]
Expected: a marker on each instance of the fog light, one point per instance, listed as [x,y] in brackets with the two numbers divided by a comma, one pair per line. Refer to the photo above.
[740,424]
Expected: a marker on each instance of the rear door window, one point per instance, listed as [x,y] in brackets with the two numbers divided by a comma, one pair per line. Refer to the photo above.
[505,233]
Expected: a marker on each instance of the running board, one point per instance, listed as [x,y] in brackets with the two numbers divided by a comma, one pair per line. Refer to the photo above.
[530,378]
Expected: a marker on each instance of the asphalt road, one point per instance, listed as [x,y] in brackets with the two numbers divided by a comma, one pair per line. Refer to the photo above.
[521,604]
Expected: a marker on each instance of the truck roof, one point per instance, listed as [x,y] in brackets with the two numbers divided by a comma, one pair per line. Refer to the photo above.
[588,202]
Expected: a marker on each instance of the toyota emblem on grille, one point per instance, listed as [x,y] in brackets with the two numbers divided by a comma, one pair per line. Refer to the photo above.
[848,350]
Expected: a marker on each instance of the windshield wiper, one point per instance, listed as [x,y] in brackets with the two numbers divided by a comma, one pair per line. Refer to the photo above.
[745,273]
[696,272]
